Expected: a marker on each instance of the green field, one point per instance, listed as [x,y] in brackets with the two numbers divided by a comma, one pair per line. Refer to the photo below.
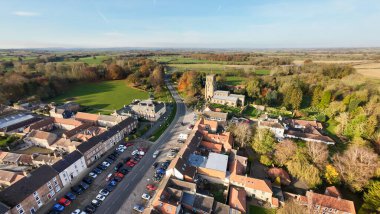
[93,61]
[235,80]
[103,97]
[183,60]
[260,210]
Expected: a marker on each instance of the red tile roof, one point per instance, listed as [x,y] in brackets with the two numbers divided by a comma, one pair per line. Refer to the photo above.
[320,202]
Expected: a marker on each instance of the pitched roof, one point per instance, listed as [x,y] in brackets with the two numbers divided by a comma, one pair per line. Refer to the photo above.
[86,116]
[68,121]
[12,157]
[26,159]
[252,183]
[61,165]
[333,191]
[73,157]
[40,124]
[215,147]
[185,168]
[3,154]
[238,199]
[278,172]
[11,177]
[213,114]
[311,137]
[329,202]
[77,129]
[220,208]
[20,190]
[49,137]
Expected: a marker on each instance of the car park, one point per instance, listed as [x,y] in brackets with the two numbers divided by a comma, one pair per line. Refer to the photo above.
[156,153]
[97,171]
[104,192]
[83,185]
[90,209]
[138,208]
[125,160]
[64,201]
[92,175]
[118,174]
[77,211]
[77,189]
[119,149]
[70,196]
[102,167]
[145,196]
[54,212]
[88,180]
[58,207]
[100,197]
[109,160]
[115,154]
[109,177]
[95,203]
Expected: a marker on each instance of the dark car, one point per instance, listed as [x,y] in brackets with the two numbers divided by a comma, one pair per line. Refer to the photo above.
[118,166]
[126,159]
[117,179]
[124,171]
[101,166]
[90,209]
[97,171]
[54,212]
[87,180]
[77,189]
[70,196]
[112,157]
[109,160]
[115,153]
[83,185]
[109,188]
[155,165]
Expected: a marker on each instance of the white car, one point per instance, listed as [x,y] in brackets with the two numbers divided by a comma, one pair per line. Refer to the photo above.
[145,196]
[106,164]
[135,152]
[92,175]
[77,211]
[104,192]
[123,147]
[138,208]
[100,197]
[141,153]
[156,153]
[120,149]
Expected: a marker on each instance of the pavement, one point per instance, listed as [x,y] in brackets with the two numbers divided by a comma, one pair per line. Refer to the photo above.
[118,199]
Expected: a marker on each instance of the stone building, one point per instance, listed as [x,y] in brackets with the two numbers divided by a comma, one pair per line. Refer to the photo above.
[221,97]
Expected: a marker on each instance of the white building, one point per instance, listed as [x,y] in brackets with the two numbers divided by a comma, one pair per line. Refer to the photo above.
[70,167]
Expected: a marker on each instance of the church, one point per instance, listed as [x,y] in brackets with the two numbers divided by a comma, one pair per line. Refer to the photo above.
[221,97]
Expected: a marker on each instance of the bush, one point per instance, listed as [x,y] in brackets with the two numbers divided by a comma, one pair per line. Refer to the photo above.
[264,159]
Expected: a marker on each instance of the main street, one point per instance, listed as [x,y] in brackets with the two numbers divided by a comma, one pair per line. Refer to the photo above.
[126,187]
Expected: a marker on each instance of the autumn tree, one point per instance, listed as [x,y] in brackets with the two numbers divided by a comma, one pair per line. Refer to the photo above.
[114,72]
[356,166]
[293,96]
[291,207]
[284,151]
[305,172]
[318,153]
[331,174]
[242,133]
[252,86]
[263,141]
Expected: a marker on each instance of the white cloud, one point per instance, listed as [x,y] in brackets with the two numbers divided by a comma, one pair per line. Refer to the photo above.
[115,34]
[25,13]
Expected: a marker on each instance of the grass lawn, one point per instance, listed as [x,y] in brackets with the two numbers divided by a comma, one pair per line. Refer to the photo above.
[103,97]
[6,140]
[235,80]
[251,112]
[260,210]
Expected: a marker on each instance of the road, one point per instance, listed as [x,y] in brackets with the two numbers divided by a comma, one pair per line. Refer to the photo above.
[126,187]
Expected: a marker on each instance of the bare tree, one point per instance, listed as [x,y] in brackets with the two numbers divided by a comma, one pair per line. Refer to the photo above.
[318,153]
[291,207]
[242,133]
[284,151]
[356,166]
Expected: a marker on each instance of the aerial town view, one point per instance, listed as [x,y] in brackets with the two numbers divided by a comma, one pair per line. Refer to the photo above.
[182,107]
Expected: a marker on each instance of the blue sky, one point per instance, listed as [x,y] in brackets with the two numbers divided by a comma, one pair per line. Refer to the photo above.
[189,24]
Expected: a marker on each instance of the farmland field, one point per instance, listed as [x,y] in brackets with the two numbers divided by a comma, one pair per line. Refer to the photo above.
[103,97]
[93,61]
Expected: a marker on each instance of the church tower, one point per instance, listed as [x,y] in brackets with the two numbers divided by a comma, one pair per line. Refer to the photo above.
[210,86]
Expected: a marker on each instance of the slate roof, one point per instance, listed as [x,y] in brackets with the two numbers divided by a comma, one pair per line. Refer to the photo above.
[73,157]
[20,190]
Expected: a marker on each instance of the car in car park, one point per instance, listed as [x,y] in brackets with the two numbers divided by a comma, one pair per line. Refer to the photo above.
[54,212]
[125,160]
[151,187]
[77,189]
[58,207]
[88,180]
[109,188]
[109,177]
[155,165]
[118,166]
[122,146]
[138,208]
[102,167]
[97,171]
[120,150]
[64,201]
[116,154]
[112,157]
[83,185]
[90,209]
[104,192]
[118,174]
[96,203]
[77,211]
[128,144]
[156,153]
[123,171]
[112,182]
[117,179]
[106,164]
[92,175]
[134,152]
[100,197]
[142,153]
[145,196]
[70,196]
[109,160]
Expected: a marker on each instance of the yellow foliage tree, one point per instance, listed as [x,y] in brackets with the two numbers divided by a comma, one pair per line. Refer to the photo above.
[331,174]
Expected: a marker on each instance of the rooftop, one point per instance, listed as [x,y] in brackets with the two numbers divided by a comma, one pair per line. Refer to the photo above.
[197,160]
[228,98]
[217,161]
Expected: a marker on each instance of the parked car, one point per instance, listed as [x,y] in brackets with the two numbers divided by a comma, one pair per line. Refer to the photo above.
[100,197]
[151,187]
[77,211]
[102,167]
[156,153]
[112,183]
[97,171]
[119,149]
[106,164]
[119,174]
[77,189]
[117,179]
[64,201]
[138,208]
[124,171]
[110,188]
[90,209]
[95,203]
[135,152]
[126,159]
[122,146]
[115,154]
[54,212]
[155,165]
[83,185]
[112,157]
[70,196]
[87,180]
[128,144]
[118,166]
[109,177]
[142,153]
[92,175]
[104,192]
[145,196]
[109,160]
[58,207]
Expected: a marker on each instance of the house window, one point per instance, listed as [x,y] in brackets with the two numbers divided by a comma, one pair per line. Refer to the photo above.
[35,194]
[32,210]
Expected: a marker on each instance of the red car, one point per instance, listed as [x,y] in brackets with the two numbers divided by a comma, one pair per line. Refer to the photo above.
[118,174]
[151,187]
[131,164]
[64,201]
[128,144]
